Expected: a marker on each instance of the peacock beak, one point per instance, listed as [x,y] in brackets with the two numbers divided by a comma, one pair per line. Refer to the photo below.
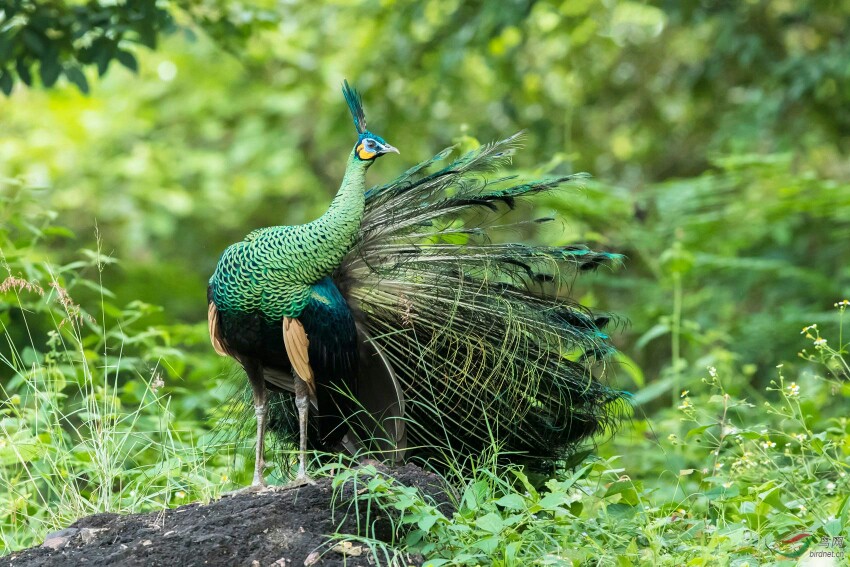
[388,149]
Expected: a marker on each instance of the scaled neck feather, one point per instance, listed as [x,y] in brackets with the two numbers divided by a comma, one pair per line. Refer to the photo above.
[334,233]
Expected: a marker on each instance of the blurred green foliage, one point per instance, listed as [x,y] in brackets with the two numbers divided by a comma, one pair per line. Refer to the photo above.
[718,129]
[717,134]
[60,38]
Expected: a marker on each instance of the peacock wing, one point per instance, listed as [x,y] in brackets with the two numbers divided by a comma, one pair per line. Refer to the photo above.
[297,345]
[322,346]
[214,323]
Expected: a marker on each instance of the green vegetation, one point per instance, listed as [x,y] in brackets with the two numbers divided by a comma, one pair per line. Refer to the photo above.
[756,482]
[717,138]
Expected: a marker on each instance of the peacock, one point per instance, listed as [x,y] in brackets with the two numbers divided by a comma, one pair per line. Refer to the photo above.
[401,326]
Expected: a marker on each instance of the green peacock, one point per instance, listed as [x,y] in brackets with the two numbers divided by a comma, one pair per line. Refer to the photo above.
[399,326]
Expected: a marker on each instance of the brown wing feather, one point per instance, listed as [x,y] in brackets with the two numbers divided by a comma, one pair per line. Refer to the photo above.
[296,341]
[215,331]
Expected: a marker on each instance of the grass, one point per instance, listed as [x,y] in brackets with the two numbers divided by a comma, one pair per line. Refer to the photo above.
[87,425]
[756,478]
[76,436]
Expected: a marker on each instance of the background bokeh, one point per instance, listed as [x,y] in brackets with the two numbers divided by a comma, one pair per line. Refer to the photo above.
[717,135]
[714,132]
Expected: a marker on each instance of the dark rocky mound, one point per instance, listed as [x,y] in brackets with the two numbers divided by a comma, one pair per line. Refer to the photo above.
[277,528]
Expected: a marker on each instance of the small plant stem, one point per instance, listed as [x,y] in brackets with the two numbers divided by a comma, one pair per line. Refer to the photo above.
[722,434]
[675,335]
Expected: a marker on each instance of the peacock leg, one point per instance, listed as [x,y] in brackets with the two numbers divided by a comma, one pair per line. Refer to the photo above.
[261,410]
[302,402]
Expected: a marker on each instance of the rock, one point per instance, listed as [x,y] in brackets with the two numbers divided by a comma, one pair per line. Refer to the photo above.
[88,535]
[67,532]
[281,528]
[56,542]
[348,548]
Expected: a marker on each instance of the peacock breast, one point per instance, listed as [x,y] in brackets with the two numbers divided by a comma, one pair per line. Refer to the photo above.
[251,278]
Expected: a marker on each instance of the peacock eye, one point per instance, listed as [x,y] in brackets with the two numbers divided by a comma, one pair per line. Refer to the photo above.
[370,143]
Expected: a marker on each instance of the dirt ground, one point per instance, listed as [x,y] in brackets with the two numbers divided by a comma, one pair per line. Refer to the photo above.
[280,529]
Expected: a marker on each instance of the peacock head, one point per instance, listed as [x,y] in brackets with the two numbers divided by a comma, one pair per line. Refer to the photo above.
[369,146]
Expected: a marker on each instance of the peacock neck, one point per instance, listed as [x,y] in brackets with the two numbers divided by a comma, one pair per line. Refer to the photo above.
[345,213]
[330,237]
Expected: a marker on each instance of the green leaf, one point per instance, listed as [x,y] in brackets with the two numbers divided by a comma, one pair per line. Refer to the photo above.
[59,231]
[722,493]
[403,503]
[427,522]
[844,512]
[21,449]
[102,58]
[576,508]
[699,430]
[24,71]
[78,78]
[553,501]
[631,368]
[655,389]
[833,527]
[523,479]
[511,551]
[475,495]
[626,490]
[488,545]
[6,45]
[772,498]
[655,332]
[755,521]
[413,538]
[511,501]
[576,458]
[677,260]
[49,70]
[466,559]
[127,59]
[621,511]
[6,82]
[491,522]
[34,41]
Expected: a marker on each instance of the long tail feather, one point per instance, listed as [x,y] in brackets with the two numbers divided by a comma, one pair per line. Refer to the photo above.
[480,334]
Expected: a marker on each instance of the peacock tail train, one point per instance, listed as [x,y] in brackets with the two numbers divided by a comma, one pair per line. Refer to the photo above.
[485,346]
